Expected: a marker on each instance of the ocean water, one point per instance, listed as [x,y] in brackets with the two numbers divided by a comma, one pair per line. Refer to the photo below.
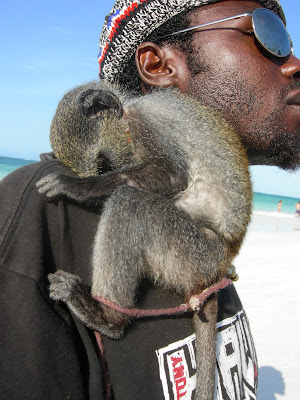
[269,202]
[8,165]
[261,201]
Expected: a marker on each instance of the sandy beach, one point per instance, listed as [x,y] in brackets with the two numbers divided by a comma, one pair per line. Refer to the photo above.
[269,286]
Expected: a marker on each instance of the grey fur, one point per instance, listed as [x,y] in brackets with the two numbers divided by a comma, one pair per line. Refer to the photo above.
[178,207]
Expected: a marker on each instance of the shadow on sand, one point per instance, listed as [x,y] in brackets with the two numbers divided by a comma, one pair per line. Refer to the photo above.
[270,382]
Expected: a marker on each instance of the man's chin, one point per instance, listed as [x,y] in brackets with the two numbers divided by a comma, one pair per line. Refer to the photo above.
[292,168]
[289,159]
[287,162]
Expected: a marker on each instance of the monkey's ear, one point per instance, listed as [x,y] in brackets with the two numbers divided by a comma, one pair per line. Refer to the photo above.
[95,101]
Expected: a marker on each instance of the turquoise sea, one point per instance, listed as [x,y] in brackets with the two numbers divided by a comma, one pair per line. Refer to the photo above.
[261,201]
[8,164]
[268,202]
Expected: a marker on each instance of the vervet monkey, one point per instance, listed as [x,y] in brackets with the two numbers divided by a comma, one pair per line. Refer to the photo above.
[178,206]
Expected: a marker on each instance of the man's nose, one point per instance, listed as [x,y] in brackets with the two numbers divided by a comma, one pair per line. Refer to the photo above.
[291,68]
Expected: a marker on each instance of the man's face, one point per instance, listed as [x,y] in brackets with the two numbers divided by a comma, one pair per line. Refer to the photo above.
[251,88]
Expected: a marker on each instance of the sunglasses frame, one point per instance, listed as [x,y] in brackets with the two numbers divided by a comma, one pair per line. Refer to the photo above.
[246,14]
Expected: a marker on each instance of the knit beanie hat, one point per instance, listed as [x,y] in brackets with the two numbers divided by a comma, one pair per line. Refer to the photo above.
[130,22]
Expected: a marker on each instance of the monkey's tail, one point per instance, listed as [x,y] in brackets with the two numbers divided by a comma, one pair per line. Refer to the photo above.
[206,335]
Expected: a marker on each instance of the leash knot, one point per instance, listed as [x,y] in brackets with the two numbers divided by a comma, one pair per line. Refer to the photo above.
[197,302]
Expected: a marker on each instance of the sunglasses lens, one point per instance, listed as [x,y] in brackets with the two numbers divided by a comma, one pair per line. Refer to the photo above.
[271,32]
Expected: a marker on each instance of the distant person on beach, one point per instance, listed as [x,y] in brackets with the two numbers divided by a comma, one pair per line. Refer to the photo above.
[279,205]
[237,58]
[297,212]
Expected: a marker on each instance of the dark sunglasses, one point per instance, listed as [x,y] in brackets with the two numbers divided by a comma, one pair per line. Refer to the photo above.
[268,29]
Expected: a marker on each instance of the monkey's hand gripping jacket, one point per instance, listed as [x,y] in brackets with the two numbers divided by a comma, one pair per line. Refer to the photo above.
[178,205]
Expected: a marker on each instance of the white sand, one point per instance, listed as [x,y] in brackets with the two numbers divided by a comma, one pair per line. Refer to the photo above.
[269,287]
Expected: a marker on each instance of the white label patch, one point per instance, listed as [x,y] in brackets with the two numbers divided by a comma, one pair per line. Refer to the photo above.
[177,367]
[237,371]
[236,366]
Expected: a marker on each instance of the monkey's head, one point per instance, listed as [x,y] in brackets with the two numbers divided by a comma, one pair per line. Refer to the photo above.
[81,127]
[98,101]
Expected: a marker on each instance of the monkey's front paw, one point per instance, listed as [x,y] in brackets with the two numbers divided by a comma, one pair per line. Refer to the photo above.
[64,286]
[56,185]
[49,185]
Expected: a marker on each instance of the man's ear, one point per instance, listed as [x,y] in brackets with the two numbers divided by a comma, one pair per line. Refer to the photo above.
[161,66]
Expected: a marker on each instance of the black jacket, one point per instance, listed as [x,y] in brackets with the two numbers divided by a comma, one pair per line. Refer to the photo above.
[45,352]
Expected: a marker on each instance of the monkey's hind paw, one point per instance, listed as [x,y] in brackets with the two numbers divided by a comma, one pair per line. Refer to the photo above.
[64,286]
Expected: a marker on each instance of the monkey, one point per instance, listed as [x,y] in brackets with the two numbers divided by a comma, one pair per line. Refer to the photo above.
[177,203]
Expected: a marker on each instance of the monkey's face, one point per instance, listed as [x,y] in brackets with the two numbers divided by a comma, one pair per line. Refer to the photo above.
[257,92]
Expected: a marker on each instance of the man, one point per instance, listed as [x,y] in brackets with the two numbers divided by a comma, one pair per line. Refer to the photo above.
[47,353]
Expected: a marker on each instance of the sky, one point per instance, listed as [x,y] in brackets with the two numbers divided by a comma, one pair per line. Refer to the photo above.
[47,47]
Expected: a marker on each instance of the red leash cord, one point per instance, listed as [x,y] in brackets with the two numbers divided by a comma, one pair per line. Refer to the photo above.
[196,301]
[104,368]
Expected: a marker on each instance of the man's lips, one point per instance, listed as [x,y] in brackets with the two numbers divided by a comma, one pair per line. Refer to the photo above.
[293,98]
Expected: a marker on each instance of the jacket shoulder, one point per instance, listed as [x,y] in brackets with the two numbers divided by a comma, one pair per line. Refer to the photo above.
[18,191]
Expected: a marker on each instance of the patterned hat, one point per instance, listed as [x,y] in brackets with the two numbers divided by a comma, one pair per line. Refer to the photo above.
[131,22]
